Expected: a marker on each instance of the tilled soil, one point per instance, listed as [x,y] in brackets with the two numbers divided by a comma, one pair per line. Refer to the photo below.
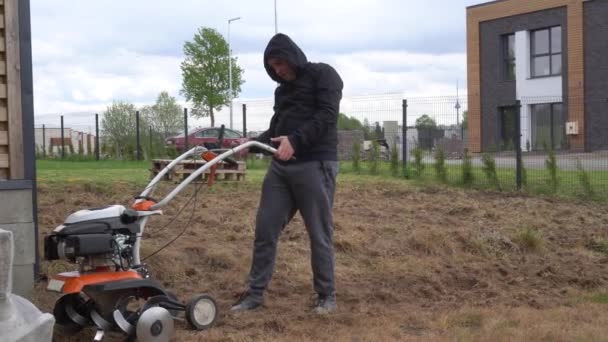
[410,263]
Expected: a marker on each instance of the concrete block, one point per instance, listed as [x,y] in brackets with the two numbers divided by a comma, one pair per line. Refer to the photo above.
[23,279]
[24,242]
[16,206]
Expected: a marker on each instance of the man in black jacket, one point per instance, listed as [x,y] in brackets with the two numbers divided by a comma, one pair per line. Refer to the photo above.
[302,175]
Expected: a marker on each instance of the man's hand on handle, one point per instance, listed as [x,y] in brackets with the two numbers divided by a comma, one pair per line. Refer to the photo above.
[285,150]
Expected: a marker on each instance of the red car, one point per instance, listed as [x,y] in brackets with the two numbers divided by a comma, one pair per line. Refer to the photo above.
[207,137]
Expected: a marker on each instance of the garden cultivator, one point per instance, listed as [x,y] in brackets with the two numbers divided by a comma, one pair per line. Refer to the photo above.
[113,290]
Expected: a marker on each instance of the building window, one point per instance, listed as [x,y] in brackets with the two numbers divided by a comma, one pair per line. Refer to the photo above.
[546,51]
[508,53]
[508,132]
[548,127]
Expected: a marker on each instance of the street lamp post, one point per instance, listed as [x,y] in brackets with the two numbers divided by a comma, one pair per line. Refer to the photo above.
[276,27]
[230,66]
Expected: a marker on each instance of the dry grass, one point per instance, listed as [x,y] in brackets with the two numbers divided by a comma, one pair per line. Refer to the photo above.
[530,239]
[412,264]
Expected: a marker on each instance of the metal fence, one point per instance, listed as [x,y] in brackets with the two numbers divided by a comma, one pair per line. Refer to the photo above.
[524,145]
[61,136]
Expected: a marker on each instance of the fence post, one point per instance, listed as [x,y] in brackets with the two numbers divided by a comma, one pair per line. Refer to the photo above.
[518,157]
[244,120]
[43,141]
[137,135]
[62,140]
[404,136]
[96,136]
[187,147]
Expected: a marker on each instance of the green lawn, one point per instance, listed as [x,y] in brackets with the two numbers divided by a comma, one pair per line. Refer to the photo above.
[137,172]
[101,172]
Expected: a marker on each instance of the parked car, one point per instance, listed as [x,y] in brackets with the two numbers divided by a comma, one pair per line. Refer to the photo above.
[207,137]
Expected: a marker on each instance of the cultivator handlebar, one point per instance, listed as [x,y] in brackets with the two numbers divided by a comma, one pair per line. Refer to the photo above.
[204,152]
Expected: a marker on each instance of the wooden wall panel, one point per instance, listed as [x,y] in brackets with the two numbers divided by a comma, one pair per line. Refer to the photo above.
[4,160]
[13,82]
[507,8]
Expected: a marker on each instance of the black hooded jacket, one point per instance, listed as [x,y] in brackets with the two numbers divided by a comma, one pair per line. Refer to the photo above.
[306,109]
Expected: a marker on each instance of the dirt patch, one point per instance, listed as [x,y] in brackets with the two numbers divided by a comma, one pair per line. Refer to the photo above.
[407,260]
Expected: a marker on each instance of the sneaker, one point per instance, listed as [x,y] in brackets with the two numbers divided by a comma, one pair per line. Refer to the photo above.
[246,302]
[325,305]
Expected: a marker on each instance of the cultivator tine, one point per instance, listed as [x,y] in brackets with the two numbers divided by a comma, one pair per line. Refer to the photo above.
[99,335]
[122,323]
[99,321]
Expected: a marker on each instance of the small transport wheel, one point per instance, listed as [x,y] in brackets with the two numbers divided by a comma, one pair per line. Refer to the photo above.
[201,312]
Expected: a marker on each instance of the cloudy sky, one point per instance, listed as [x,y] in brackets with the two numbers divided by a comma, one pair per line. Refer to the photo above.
[88,53]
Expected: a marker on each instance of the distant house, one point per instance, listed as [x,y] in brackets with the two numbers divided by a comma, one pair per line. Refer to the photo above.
[48,140]
[550,55]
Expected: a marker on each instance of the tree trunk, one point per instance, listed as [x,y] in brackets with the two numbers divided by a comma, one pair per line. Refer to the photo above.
[211,115]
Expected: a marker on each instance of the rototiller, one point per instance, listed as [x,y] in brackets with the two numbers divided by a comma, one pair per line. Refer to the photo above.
[113,289]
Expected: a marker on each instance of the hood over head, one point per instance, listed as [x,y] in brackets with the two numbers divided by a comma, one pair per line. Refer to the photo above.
[281,46]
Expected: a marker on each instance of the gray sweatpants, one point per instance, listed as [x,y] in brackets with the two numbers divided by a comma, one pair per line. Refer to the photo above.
[308,187]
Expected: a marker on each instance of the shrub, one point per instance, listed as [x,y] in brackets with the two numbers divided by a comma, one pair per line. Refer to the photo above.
[440,168]
[394,160]
[418,164]
[489,169]
[356,157]
[374,159]
[585,181]
[467,169]
[551,165]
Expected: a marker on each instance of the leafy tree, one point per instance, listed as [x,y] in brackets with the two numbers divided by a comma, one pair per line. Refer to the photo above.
[367,130]
[378,131]
[426,121]
[205,73]
[165,116]
[118,127]
[346,123]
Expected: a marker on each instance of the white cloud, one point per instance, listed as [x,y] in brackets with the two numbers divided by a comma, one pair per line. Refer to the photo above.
[88,53]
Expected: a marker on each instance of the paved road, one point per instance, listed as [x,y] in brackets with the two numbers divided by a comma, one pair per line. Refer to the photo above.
[597,161]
